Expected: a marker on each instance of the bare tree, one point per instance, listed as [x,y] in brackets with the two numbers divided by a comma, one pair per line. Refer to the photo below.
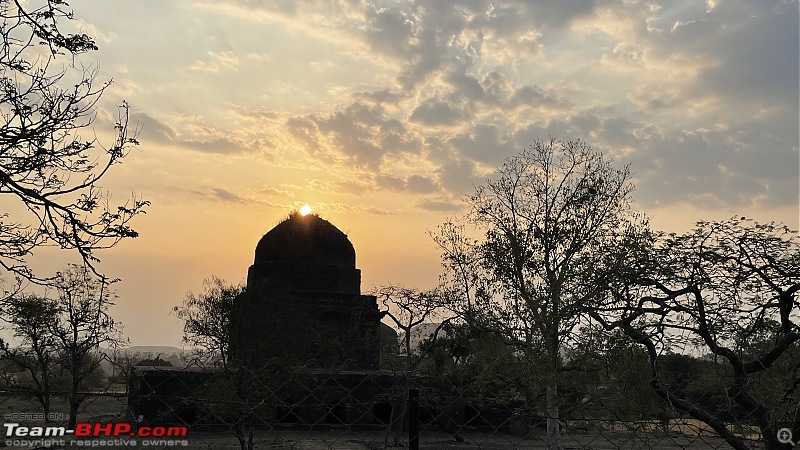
[730,288]
[83,326]
[49,172]
[546,218]
[408,309]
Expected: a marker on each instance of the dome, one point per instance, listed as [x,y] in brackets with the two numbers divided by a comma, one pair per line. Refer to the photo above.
[307,239]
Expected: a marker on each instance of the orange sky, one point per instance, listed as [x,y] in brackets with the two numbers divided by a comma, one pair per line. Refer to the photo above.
[382,114]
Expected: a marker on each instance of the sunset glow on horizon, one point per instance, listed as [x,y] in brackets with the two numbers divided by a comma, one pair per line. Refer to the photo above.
[385,114]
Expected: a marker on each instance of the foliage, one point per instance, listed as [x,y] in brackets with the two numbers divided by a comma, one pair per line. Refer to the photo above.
[31,319]
[234,391]
[727,287]
[547,217]
[157,362]
[83,326]
[480,367]
[63,333]
[50,173]
[606,378]
[206,318]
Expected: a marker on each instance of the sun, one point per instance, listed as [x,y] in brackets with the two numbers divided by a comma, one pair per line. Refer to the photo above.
[305,210]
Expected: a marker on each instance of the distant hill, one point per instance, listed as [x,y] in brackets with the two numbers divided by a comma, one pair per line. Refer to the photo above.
[164,350]
[143,352]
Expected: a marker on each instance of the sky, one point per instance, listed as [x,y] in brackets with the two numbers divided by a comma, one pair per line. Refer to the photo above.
[382,115]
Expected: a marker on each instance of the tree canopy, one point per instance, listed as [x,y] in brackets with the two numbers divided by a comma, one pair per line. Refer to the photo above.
[49,169]
[729,288]
[547,217]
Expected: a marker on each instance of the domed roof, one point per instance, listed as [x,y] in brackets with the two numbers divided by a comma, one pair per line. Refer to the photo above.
[307,239]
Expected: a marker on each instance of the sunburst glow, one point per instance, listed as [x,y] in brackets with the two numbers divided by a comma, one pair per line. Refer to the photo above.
[305,210]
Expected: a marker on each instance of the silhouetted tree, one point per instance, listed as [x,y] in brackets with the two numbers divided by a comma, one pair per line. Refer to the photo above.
[546,218]
[407,308]
[83,326]
[606,376]
[730,288]
[206,319]
[49,173]
[31,319]
[475,369]
[62,331]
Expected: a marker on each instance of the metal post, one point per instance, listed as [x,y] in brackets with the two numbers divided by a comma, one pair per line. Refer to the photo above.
[413,419]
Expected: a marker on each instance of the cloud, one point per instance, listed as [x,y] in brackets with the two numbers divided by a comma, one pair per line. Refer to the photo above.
[484,142]
[389,31]
[704,94]
[441,205]
[154,130]
[390,182]
[221,145]
[753,49]
[359,133]
[272,191]
[416,184]
[386,95]
[219,61]
[459,176]
[102,38]
[338,186]
[438,112]
[305,131]
[712,170]
[421,185]
[227,196]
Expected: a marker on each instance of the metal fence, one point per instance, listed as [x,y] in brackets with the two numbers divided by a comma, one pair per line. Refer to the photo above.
[477,403]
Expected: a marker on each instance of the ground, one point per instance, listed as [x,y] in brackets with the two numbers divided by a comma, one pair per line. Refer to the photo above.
[111,407]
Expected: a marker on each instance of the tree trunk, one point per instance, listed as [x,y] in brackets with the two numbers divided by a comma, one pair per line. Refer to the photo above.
[46,408]
[74,402]
[245,432]
[73,412]
[553,420]
[553,424]
[395,427]
[239,430]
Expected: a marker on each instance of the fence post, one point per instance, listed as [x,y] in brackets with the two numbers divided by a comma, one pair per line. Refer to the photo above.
[413,419]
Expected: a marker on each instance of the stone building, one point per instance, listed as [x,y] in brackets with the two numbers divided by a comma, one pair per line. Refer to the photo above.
[310,339]
[303,302]
[307,350]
